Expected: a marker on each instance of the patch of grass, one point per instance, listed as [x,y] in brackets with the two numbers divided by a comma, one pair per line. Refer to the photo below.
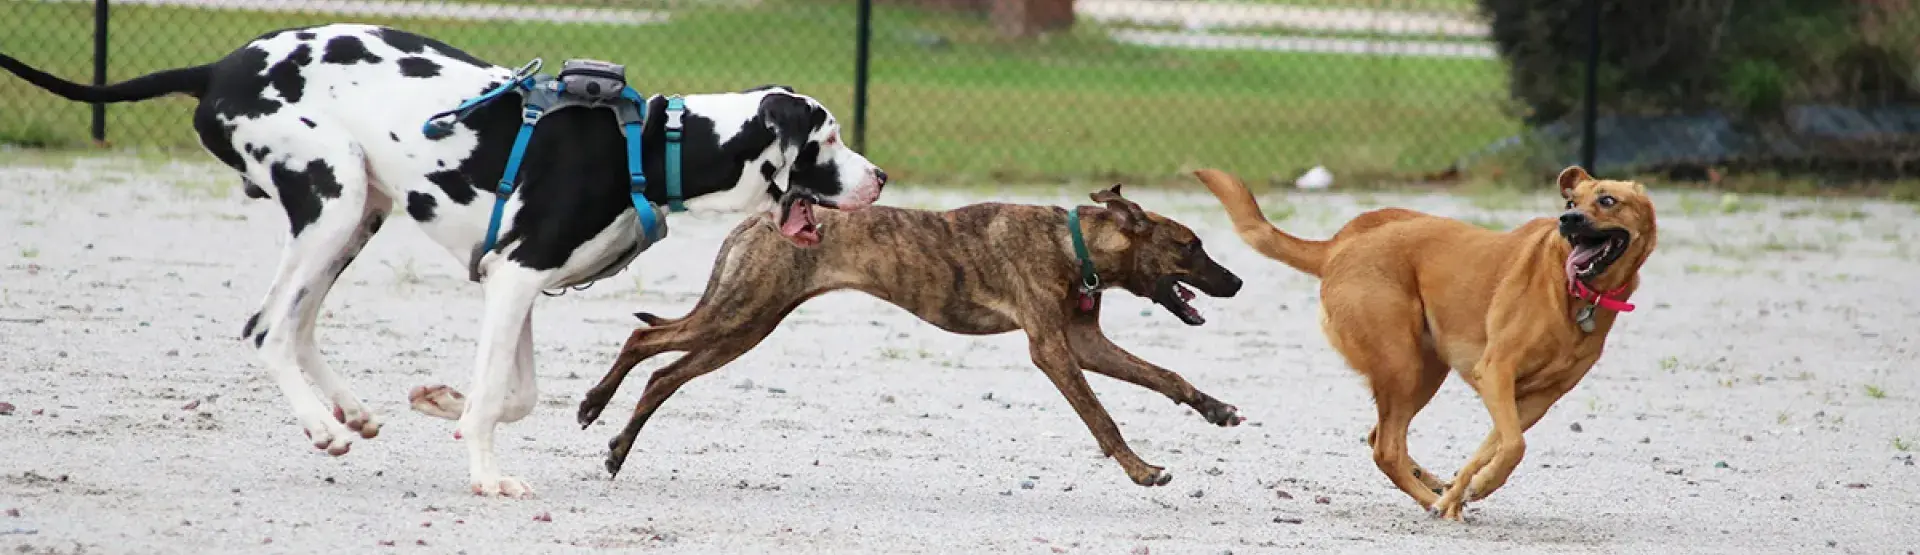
[29,252]
[1670,363]
[951,101]
[1901,445]
[1875,392]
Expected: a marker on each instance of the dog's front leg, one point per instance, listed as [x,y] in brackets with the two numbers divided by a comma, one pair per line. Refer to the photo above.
[1098,353]
[1053,353]
[505,330]
[1495,384]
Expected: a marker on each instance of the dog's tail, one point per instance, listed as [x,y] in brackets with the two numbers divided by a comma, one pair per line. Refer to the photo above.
[1258,232]
[189,80]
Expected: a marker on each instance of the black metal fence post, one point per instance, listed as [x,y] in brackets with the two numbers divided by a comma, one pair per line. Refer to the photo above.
[862,39]
[1588,140]
[99,68]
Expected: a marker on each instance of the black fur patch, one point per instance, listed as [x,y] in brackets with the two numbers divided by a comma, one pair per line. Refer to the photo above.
[418,67]
[301,191]
[259,153]
[394,136]
[238,90]
[285,76]
[304,35]
[416,44]
[251,323]
[310,123]
[456,186]
[346,50]
[421,206]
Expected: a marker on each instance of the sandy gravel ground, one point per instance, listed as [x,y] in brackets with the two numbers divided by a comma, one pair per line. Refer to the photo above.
[1763,400]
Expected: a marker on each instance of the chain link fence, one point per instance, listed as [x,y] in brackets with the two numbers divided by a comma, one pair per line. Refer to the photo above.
[1141,90]
[959,90]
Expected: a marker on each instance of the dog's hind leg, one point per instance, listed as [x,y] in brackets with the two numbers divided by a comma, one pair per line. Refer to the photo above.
[1435,374]
[332,213]
[1100,355]
[642,344]
[1379,333]
[718,343]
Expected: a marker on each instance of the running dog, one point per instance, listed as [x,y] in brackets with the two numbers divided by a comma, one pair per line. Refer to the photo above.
[328,120]
[981,269]
[1521,315]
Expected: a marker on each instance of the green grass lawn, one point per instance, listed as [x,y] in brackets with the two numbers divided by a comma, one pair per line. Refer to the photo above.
[950,101]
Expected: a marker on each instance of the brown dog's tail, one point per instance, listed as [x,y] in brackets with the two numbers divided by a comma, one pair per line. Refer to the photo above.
[1258,232]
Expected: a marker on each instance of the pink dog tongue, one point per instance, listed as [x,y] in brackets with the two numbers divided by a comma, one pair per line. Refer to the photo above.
[799,218]
[1579,257]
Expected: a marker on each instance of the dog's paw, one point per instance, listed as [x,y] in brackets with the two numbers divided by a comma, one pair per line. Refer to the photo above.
[329,436]
[1449,509]
[438,401]
[1153,476]
[590,407]
[1222,414]
[357,418]
[503,486]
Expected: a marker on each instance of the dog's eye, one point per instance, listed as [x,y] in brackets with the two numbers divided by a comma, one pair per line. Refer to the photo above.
[1569,205]
[1607,202]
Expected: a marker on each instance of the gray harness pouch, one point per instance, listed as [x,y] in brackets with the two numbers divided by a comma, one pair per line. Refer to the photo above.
[593,79]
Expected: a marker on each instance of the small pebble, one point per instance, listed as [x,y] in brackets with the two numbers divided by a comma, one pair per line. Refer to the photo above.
[173,352]
[1142,550]
[1646,440]
[1575,427]
[776,390]
[1287,520]
[888,399]
[386,543]
[1746,438]
[329,479]
[1831,543]
[1197,494]
[419,542]
[1006,492]
[1721,464]
[1856,485]
[987,397]
[194,404]
[1215,471]
[6,409]
[15,513]
[1283,494]
[1675,472]
[1026,484]
[1323,500]
[1786,497]
[543,517]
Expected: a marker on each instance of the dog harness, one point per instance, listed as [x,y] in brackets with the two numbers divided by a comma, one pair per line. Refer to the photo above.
[584,84]
[1087,296]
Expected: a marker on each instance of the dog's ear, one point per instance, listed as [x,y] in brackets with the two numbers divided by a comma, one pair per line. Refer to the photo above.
[1571,177]
[789,116]
[1131,217]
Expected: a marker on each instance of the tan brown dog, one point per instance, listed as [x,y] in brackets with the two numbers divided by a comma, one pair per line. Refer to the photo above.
[1405,296]
[981,269]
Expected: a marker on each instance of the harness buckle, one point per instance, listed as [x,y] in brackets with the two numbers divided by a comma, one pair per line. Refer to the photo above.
[673,120]
[529,114]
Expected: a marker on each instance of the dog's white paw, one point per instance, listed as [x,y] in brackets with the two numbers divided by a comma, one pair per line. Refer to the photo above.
[504,486]
[330,436]
[357,418]
[440,401]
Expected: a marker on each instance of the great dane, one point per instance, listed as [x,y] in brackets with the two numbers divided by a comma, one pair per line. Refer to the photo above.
[328,120]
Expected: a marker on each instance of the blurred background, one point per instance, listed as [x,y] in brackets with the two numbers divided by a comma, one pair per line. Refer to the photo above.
[1035,91]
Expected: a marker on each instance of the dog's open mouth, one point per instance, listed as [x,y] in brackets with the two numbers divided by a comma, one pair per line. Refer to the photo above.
[1175,297]
[1594,250]
[797,222]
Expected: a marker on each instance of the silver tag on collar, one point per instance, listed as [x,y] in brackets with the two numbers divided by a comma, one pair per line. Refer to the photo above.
[1584,318]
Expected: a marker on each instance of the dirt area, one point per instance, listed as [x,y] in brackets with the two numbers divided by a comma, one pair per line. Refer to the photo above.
[1762,400]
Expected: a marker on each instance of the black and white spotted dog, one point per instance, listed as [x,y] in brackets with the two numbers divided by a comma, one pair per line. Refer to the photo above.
[328,121]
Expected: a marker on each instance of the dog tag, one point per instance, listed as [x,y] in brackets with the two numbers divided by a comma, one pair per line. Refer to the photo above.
[1584,318]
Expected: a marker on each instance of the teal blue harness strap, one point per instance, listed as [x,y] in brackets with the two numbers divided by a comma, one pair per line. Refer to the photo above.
[632,121]
[675,106]
[529,114]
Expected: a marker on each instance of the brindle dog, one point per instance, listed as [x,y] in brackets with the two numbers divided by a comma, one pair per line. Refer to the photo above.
[981,269]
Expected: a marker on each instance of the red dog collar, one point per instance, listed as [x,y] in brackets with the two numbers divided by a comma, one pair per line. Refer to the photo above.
[1607,300]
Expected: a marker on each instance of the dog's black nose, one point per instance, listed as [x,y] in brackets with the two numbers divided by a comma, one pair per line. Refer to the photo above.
[880,175]
[1573,217]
